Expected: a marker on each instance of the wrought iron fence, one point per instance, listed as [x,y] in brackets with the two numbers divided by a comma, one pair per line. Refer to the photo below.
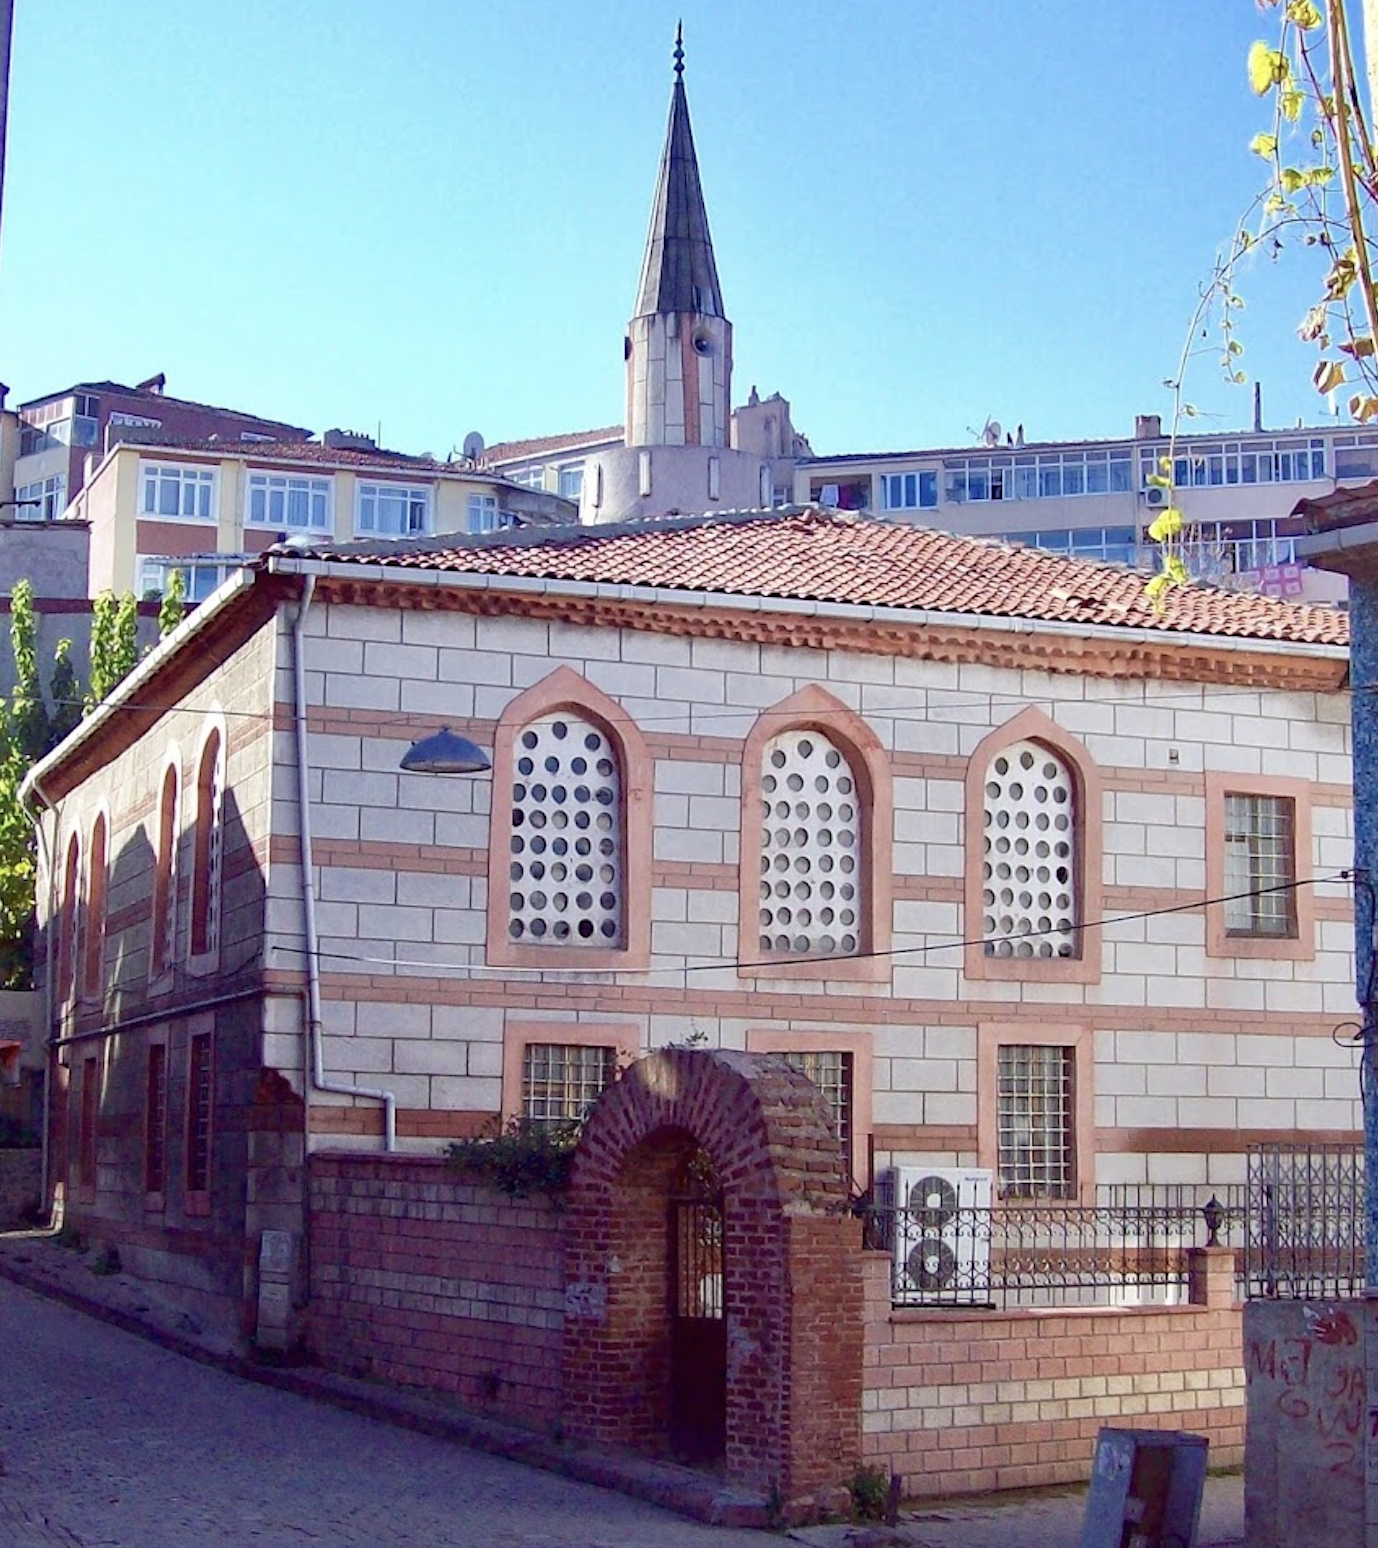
[1128,1249]
[1304,1222]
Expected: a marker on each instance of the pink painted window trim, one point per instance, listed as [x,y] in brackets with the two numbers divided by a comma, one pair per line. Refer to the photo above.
[566,689]
[815,708]
[69,923]
[858,1045]
[1297,947]
[1080,1039]
[1032,725]
[163,918]
[623,1039]
[207,854]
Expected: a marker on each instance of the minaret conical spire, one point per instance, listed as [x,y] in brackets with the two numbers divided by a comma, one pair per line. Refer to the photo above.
[678,273]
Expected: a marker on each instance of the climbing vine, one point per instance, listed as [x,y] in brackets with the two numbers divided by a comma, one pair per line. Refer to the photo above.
[1320,193]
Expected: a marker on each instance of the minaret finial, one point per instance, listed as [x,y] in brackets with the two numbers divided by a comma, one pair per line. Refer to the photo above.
[679,51]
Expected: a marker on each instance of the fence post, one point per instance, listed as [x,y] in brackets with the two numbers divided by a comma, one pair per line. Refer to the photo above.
[1210,1276]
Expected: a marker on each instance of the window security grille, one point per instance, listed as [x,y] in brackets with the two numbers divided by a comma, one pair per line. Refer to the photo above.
[1035,1121]
[1029,868]
[810,904]
[1259,853]
[566,867]
[831,1071]
[561,1081]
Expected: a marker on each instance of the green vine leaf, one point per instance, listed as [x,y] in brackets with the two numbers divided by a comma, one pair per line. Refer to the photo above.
[1328,375]
[1166,525]
[1268,67]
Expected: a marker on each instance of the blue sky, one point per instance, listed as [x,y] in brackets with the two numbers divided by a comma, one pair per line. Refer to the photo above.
[428,214]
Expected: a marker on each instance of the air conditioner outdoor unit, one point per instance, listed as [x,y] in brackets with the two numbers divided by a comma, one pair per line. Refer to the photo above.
[1156,498]
[942,1234]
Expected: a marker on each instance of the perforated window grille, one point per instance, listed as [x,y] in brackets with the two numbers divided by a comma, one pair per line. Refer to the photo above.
[810,897]
[1029,868]
[831,1071]
[1034,1120]
[1259,853]
[567,860]
[561,1081]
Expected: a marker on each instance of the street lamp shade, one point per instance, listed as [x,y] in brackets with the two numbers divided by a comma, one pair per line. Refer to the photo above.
[445,752]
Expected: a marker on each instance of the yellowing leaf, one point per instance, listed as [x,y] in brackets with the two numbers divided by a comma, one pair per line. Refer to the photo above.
[1291,104]
[1167,524]
[1289,179]
[1360,349]
[1328,375]
[1156,592]
[1304,14]
[1264,145]
[1267,68]
[1363,408]
[1165,466]
[1176,571]
[1158,480]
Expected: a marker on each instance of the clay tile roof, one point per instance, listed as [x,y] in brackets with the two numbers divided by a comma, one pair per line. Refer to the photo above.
[511,451]
[814,555]
[314,452]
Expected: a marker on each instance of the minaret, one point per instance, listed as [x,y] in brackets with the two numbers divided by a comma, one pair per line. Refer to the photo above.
[679,343]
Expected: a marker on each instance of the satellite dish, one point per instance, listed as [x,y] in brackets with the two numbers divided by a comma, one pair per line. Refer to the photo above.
[473,446]
[990,436]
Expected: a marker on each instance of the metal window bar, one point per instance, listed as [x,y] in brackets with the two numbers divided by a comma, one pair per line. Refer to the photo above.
[1128,1249]
[831,1071]
[1259,854]
[561,1081]
[1304,1223]
[199,1115]
[1034,1120]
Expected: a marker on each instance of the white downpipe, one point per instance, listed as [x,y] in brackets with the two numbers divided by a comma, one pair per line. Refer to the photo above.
[308,891]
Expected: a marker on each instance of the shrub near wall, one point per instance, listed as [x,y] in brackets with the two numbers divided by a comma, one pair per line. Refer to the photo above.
[426,1279]
[965,1402]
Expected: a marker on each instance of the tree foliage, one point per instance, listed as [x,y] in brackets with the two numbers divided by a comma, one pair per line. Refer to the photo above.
[33,721]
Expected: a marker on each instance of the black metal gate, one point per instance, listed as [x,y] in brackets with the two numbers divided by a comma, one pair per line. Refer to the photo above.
[698,1330]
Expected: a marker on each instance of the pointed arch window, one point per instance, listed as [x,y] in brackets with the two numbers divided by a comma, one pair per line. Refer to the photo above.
[163,920]
[1033,855]
[69,922]
[208,848]
[569,877]
[816,881]
[93,955]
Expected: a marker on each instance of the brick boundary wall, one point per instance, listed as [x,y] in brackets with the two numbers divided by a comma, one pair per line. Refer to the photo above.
[424,1279]
[971,1402]
[21,1184]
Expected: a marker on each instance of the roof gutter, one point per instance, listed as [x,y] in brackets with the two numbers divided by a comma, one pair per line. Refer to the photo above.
[522,585]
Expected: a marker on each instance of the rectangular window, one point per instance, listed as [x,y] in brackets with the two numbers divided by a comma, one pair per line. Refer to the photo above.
[171,493]
[90,1115]
[571,481]
[1036,1121]
[394,510]
[199,1114]
[561,1081]
[831,1071]
[294,504]
[155,1120]
[484,515]
[43,500]
[1260,855]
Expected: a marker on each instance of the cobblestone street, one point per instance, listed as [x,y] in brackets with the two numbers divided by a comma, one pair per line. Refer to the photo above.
[110,1442]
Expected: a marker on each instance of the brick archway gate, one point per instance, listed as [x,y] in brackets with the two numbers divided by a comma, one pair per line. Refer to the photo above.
[791,1269]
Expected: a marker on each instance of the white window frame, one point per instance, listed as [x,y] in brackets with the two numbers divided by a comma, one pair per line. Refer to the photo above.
[484,515]
[197,487]
[43,500]
[570,481]
[414,515]
[263,485]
